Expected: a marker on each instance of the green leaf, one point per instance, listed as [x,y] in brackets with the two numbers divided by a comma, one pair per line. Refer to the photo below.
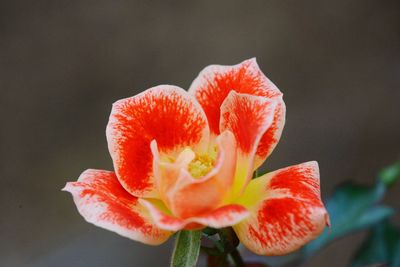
[351,208]
[390,174]
[396,258]
[187,249]
[381,246]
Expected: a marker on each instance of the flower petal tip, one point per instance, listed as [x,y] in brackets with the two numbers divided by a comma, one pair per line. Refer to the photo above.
[68,187]
[65,188]
[102,201]
[327,220]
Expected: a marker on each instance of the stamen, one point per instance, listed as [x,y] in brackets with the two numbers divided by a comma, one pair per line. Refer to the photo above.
[201,165]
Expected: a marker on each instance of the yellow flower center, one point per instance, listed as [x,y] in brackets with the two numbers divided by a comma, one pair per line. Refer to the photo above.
[201,165]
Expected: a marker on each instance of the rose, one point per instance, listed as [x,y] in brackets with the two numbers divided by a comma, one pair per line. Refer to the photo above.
[184,160]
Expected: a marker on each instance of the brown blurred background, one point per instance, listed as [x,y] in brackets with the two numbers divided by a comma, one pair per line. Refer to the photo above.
[63,63]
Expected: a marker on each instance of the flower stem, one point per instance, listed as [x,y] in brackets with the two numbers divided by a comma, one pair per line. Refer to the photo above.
[230,241]
[224,247]
[237,258]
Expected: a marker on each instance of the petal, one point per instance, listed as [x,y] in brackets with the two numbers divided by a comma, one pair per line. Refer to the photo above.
[248,117]
[271,137]
[213,85]
[186,196]
[165,113]
[286,210]
[224,216]
[102,201]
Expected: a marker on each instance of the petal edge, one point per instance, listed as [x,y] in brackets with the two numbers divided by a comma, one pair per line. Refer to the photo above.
[287,213]
[224,216]
[165,113]
[102,201]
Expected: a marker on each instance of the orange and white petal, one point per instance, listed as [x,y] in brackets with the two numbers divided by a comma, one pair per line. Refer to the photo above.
[102,201]
[187,196]
[164,113]
[248,117]
[215,82]
[272,135]
[286,210]
[224,216]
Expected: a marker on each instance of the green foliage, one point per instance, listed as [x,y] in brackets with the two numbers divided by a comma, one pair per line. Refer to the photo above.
[224,247]
[381,246]
[355,207]
[390,174]
[351,208]
[187,249]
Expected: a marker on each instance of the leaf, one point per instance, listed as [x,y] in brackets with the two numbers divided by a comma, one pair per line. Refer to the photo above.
[396,258]
[390,174]
[187,249]
[351,208]
[381,246]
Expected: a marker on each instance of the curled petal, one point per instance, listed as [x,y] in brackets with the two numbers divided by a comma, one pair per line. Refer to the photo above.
[165,113]
[102,201]
[248,117]
[286,210]
[187,196]
[215,82]
[224,216]
[272,135]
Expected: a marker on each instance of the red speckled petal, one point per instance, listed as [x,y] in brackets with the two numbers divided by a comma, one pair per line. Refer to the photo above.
[286,210]
[165,113]
[248,117]
[272,135]
[215,82]
[102,201]
[186,196]
[222,217]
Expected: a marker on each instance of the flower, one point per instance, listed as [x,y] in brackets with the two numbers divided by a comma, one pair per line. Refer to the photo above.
[185,160]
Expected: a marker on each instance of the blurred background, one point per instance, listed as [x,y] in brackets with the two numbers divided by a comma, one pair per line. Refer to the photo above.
[63,63]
